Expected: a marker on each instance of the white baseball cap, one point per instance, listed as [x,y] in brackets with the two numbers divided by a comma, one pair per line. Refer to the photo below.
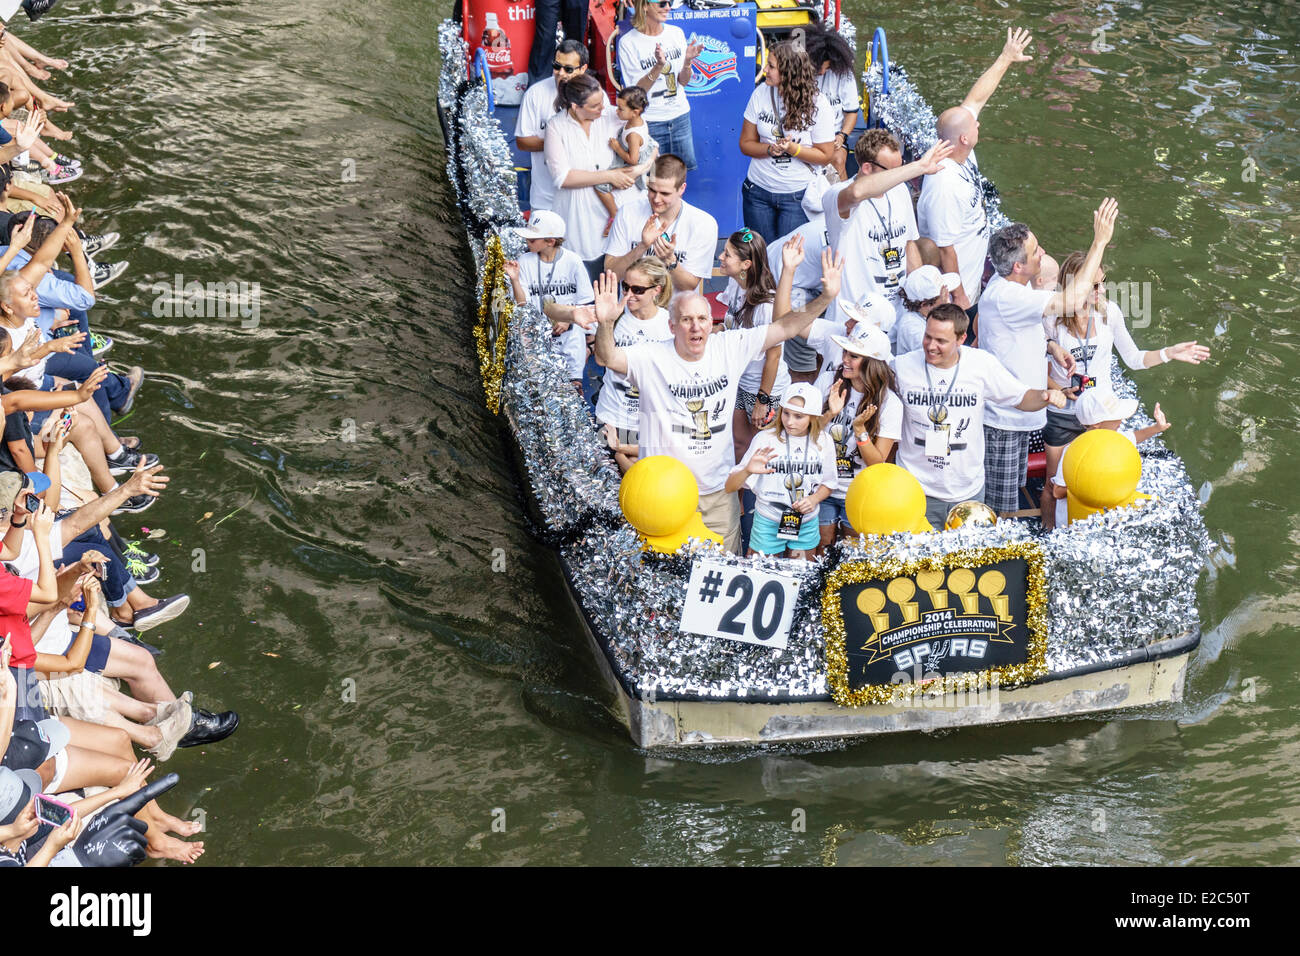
[923,284]
[812,398]
[867,341]
[875,310]
[1096,405]
[543,224]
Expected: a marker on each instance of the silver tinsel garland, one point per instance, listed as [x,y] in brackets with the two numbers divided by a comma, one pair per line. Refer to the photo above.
[1116,581]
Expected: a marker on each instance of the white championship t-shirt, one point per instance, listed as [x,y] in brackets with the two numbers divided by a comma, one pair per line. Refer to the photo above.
[686,406]
[733,297]
[618,402]
[820,341]
[807,274]
[1092,352]
[805,464]
[873,241]
[564,282]
[535,112]
[848,460]
[28,562]
[569,148]
[951,212]
[1011,328]
[908,333]
[636,58]
[979,378]
[785,174]
[695,229]
[841,92]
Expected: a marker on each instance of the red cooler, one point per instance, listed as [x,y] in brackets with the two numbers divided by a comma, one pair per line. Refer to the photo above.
[504,30]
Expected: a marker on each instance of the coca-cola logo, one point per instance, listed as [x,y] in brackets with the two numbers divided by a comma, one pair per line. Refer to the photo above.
[497,57]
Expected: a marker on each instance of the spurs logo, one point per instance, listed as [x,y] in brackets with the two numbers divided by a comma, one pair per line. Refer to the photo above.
[961,428]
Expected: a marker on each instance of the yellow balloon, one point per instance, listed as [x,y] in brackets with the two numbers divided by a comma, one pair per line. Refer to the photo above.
[658,495]
[885,498]
[693,528]
[1102,469]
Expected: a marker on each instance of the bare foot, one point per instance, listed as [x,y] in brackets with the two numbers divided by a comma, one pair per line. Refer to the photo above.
[54,64]
[170,848]
[176,825]
[36,72]
[50,131]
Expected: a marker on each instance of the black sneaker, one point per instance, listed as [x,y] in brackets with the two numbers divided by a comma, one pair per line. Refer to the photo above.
[130,461]
[165,610]
[143,573]
[135,504]
[102,275]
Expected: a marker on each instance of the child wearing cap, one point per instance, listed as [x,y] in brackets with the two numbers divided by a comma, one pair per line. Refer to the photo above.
[923,289]
[555,280]
[790,467]
[1098,408]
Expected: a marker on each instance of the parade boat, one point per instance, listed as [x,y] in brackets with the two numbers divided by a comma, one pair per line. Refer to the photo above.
[977,624]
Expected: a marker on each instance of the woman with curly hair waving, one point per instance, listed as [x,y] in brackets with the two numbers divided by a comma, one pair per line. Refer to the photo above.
[789,131]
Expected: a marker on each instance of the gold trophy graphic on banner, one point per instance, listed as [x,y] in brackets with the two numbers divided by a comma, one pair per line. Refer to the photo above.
[696,407]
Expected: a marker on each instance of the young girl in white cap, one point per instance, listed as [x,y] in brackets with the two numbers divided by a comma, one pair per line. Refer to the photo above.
[790,467]
[863,418]
[555,280]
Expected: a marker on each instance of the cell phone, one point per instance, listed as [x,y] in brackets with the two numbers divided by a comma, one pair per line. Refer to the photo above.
[1082,382]
[65,420]
[51,811]
[32,503]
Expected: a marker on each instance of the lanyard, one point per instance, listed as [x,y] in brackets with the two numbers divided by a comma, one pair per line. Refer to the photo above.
[789,461]
[1087,340]
[886,220]
[939,411]
[543,286]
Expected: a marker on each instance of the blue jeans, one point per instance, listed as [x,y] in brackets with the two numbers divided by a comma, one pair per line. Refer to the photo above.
[117,580]
[573,14]
[675,136]
[771,215]
[78,367]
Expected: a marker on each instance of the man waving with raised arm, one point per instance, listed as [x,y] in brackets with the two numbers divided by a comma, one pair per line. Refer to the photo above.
[951,209]
[688,385]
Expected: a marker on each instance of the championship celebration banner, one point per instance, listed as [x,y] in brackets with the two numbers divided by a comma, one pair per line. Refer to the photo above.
[939,625]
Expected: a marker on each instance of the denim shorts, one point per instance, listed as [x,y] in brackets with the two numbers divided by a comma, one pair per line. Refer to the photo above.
[832,510]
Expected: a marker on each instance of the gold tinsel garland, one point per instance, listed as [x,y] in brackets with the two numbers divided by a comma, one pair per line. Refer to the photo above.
[495,296]
[886,566]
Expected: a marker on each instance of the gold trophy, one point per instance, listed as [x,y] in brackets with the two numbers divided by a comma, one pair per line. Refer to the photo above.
[670,77]
[794,485]
[696,407]
[839,436]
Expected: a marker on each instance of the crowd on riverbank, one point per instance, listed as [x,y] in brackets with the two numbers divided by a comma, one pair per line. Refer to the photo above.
[868,318]
[80,690]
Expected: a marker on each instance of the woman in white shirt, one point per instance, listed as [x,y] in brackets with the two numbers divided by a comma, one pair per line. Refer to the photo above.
[579,158]
[788,132]
[1089,338]
[655,56]
[863,417]
[646,293]
[832,58]
[748,298]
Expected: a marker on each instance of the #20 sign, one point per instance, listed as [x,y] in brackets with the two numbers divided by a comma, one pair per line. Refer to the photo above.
[949,623]
[739,604]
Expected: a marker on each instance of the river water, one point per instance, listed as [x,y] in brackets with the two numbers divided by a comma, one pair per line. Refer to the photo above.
[339,492]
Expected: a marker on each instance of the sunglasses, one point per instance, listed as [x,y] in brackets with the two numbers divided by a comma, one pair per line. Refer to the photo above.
[746,236]
[638,289]
[662,3]
[567,69]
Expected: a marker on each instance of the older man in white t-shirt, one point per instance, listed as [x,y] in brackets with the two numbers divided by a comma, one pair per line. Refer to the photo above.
[951,208]
[947,389]
[688,386]
[536,110]
[1011,328]
[665,225]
